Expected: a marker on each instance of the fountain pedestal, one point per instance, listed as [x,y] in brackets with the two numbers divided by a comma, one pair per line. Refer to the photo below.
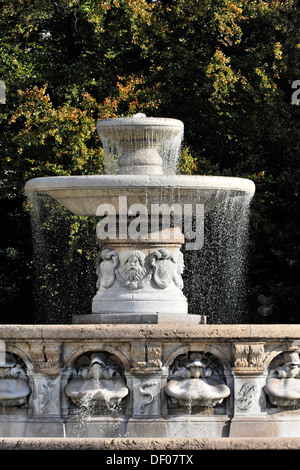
[139,281]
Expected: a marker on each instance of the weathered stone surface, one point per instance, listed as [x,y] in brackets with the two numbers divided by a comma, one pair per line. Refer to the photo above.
[146,444]
[290,333]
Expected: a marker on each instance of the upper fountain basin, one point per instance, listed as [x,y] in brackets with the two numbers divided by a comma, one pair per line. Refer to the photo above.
[82,195]
[141,145]
[136,126]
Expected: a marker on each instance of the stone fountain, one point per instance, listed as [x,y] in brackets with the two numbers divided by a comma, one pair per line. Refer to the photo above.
[140,263]
[140,364]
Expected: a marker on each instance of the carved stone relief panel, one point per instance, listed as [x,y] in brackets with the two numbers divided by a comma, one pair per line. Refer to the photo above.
[146,396]
[245,395]
[45,398]
[162,266]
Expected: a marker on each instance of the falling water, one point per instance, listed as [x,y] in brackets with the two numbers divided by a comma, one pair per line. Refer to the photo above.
[168,147]
[86,420]
[89,411]
[215,277]
[64,278]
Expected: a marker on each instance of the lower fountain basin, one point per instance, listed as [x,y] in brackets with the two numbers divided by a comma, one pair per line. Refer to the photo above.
[192,392]
[82,195]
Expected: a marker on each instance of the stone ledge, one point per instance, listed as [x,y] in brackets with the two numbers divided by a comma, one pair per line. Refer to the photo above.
[138,331]
[149,444]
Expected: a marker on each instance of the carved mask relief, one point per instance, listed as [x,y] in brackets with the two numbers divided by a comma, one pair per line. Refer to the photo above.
[161,266]
[196,380]
[283,382]
[97,382]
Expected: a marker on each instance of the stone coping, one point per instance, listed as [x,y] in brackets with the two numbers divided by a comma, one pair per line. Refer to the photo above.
[255,332]
[150,444]
[116,183]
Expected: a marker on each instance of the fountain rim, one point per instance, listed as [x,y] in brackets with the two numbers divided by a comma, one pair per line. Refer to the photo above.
[140,122]
[98,182]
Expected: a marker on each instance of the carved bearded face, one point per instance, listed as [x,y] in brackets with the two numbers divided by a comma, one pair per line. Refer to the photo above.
[133,268]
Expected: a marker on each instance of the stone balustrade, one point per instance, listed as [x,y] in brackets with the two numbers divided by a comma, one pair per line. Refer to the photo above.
[255,363]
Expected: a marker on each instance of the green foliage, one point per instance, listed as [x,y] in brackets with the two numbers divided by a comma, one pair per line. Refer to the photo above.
[224,67]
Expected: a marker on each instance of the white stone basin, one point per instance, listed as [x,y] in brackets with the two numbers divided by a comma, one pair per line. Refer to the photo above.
[206,392]
[83,194]
[284,392]
[13,392]
[139,127]
[103,392]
